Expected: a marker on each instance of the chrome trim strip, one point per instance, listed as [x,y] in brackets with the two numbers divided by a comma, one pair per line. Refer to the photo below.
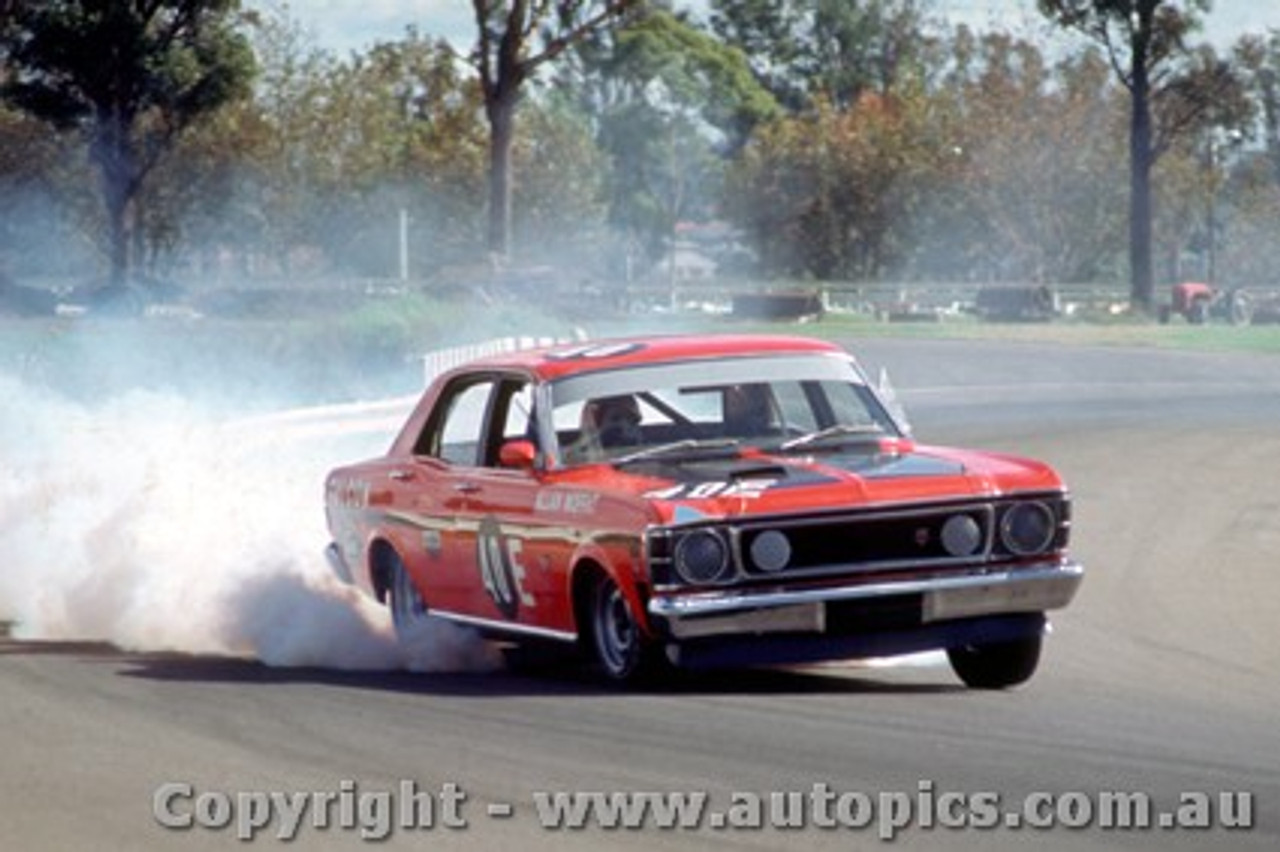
[1067,575]
[506,626]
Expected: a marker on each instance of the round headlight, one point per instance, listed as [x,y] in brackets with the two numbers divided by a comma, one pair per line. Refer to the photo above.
[961,536]
[770,551]
[1028,528]
[702,557]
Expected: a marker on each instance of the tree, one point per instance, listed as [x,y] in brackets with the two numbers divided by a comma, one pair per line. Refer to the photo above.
[131,75]
[516,38]
[671,102]
[1036,162]
[1260,60]
[1146,41]
[559,204]
[830,49]
[832,194]
[42,186]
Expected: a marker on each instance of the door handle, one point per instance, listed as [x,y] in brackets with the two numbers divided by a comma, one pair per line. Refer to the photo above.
[466,487]
[401,475]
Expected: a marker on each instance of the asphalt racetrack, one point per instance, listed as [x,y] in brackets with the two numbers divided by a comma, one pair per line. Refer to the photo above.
[1162,679]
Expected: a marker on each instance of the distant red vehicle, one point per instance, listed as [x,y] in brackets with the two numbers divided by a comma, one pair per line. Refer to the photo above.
[1198,303]
[701,501]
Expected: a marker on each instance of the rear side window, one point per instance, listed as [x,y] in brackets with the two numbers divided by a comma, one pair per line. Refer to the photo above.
[455,436]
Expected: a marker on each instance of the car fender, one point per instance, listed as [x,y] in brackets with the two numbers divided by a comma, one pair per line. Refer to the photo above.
[621,561]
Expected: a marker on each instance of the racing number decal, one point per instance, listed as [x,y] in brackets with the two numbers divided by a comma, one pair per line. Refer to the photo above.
[593,350]
[500,568]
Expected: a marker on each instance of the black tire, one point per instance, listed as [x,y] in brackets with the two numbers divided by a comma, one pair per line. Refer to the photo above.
[618,645]
[998,665]
[408,610]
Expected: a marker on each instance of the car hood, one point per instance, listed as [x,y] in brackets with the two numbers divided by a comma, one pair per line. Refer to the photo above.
[754,482]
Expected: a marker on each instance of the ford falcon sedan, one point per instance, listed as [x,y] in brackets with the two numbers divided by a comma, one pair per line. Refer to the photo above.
[702,501]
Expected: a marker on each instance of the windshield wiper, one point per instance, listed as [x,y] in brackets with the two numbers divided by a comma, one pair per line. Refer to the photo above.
[840,430]
[675,447]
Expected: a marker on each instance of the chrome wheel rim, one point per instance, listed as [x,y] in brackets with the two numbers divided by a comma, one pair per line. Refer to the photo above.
[615,631]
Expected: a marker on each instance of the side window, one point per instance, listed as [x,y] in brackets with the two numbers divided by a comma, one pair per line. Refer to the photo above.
[513,418]
[457,439]
[518,422]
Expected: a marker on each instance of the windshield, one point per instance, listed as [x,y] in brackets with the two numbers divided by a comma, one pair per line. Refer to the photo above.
[778,403]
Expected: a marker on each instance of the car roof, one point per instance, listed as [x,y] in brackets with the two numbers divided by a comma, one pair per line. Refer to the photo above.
[552,362]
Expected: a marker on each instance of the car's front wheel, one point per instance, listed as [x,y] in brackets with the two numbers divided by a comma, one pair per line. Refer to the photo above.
[620,649]
[996,665]
[408,610]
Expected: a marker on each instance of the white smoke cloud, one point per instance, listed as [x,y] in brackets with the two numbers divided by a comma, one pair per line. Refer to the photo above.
[155,524]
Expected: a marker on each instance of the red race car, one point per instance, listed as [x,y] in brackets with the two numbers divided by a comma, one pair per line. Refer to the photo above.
[699,501]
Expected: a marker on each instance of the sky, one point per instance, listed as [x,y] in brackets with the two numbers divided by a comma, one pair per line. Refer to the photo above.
[352,25]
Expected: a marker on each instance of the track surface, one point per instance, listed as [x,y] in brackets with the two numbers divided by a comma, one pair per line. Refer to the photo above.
[1160,679]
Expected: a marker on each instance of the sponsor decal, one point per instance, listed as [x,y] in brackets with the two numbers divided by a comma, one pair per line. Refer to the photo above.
[568,502]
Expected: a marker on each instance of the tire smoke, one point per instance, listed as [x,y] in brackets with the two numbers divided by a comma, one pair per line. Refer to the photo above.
[156,524]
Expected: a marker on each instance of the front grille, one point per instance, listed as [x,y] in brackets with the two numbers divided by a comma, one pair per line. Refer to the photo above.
[871,542]
[832,544]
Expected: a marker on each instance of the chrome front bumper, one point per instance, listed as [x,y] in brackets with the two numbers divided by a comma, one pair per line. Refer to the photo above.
[1027,589]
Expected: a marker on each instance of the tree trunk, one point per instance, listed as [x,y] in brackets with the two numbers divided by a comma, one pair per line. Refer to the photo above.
[502,116]
[1142,286]
[115,163]
[118,233]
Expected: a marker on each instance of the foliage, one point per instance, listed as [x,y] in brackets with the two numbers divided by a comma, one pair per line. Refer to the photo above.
[669,102]
[829,195]
[1037,162]
[1174,91]
[515,38]
[848,141]
[131,76]
[833,50]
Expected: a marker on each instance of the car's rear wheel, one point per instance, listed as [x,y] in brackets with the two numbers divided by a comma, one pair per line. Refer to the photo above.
[997,665]
[620,648]
[408,610]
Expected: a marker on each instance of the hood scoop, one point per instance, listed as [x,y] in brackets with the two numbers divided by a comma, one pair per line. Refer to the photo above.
[758,471]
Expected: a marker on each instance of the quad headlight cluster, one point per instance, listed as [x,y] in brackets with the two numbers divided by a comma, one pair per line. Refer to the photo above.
[1013,528]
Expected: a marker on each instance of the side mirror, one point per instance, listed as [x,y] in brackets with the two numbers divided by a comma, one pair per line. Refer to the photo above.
[519,454]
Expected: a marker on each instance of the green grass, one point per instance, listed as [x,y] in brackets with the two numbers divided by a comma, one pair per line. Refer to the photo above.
[1112,332]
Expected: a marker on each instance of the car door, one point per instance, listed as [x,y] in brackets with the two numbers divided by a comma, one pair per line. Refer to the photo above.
[435,489]
[515,554]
